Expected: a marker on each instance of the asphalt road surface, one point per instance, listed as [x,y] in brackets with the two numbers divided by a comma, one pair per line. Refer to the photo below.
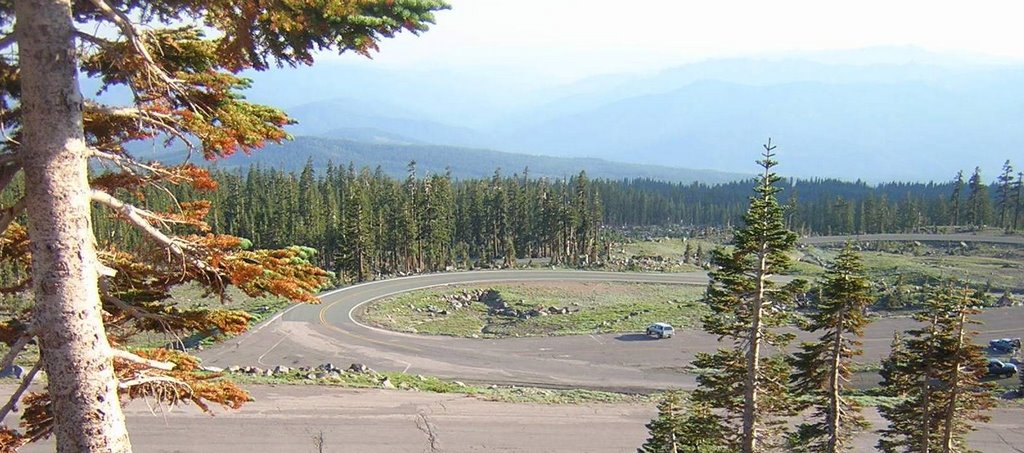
[954,237]
[310,335]
[289,419]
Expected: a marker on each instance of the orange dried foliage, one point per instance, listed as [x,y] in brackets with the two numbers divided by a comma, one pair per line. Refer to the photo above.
[10,441]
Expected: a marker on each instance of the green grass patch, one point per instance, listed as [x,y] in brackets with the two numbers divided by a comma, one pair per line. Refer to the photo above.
[593,308]
[409,382]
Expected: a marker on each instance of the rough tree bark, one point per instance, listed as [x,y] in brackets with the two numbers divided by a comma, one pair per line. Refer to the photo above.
[67,316]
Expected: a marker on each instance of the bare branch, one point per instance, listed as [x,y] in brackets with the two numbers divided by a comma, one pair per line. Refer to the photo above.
[156,364]
[136,217]
[16,349]
[25,382]
[152,379]
[7,215]
[92,39]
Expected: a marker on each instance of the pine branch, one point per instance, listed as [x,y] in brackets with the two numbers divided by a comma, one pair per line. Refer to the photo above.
[138,217]
[25,382]
[163,122]
[134,38]
[93,39]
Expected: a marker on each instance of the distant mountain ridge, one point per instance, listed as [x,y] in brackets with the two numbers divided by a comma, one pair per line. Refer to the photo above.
[393,159]
[902,115]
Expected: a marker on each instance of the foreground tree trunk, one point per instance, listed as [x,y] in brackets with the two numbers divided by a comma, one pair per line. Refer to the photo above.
[67,314]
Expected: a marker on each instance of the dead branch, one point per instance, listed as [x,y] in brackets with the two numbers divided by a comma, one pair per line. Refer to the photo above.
[25,382]
[137,217]
[92,39]
[426,427]
[124,385]
[156,364]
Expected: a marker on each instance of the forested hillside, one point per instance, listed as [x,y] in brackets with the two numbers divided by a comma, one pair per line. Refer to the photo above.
[365,223]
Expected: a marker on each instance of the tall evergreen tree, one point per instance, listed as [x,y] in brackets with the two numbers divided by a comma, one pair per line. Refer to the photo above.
[940,377]
[681,429]
[180,61]
[958,188]
[745,305]
[824,366]
[979,206]
[1005,201]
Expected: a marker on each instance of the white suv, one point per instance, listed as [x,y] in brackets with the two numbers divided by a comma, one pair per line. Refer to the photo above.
[662,330]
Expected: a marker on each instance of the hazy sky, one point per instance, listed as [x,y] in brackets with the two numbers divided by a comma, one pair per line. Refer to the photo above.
[572,38]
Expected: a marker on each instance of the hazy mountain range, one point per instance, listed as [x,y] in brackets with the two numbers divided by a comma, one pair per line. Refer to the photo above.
[393,159]
[874,114]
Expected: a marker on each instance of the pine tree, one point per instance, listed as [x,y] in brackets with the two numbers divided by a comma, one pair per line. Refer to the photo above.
[681,429]
[895,382]
[664,429]
[745,305]
[1005,202]
[979,206]
[180,61]
[824,366]
[1018,205]
[940,377]
[958,187]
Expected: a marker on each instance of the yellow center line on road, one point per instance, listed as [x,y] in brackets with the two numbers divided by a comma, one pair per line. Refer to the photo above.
[323,321]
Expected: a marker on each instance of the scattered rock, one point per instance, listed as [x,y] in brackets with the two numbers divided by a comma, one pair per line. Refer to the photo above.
[459,384]
[281,369]
[268,372]
[234,369]
[386,384]
[311,376]
[212,369]
[322,375]
[358,368]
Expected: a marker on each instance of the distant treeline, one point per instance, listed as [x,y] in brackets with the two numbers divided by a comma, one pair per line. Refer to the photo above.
[822,206]
[365,223]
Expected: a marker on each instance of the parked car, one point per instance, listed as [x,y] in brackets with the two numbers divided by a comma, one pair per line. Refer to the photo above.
[1005,345]
[999,368]
[661,330]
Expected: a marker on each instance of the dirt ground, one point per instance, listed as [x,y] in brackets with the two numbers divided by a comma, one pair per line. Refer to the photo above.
[293,418]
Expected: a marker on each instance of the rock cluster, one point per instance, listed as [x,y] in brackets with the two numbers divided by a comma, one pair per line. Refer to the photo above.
[323,371]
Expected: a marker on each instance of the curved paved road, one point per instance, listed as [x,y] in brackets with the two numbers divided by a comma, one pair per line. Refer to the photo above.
[309,335]
[956,237]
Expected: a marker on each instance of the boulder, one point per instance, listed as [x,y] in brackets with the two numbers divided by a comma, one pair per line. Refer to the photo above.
[386,384]
[358,368]
[281,369]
